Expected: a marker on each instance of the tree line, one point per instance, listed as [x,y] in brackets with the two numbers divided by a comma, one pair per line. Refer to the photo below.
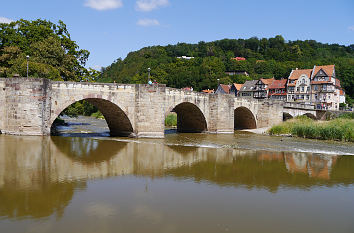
[54,55]
[265,58]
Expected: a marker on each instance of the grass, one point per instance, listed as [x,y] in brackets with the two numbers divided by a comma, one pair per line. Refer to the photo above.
[171,120]
[97,115]
[340,129]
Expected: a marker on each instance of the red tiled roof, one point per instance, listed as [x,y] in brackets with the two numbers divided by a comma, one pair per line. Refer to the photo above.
[328,69]
[278,84]
[238,86]
[295,74]
[238,58]
[341,92]
[278,94]
[226,88]
[267,81]
[208,91]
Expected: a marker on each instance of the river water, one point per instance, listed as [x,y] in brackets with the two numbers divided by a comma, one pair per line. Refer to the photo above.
[85,182]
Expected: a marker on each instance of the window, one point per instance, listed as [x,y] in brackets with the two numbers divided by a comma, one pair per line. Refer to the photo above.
[316,96]
[315,87]
[307,97]
[298,89]
[302,89]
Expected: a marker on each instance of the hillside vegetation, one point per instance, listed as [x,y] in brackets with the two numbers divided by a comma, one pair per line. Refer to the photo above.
[265,58]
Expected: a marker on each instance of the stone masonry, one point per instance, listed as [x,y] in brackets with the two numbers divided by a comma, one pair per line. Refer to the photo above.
[29,106]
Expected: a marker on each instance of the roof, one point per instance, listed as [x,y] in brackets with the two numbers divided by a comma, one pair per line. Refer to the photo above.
[278,84]
[238,58]
[249,85]
[238,86]
[226,88]
[208,91]
[341,92]
[328,69]
[267,81]
[295,74]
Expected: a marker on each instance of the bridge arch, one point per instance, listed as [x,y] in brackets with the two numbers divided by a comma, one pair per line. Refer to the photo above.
[310,115]
[190,119]
[118,122]
[244,119]
[287,116]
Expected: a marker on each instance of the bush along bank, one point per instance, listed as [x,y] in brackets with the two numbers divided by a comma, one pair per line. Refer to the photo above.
[340,129]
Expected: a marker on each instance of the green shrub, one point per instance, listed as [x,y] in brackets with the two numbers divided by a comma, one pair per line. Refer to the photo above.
[171,120]
[97,115]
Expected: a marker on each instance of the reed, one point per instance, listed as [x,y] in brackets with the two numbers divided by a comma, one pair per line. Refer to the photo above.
[340,129]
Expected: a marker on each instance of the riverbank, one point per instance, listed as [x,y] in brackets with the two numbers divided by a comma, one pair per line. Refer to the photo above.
[340,129]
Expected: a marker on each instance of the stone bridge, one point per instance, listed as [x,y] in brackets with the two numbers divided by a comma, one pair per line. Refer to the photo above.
[29,106]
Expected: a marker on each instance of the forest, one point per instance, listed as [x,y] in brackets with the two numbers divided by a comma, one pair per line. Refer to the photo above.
[265,58]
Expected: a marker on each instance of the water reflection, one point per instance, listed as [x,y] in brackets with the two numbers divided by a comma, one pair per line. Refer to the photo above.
[40,175]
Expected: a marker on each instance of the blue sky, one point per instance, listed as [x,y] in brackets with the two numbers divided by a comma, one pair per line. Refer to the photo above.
[110,29]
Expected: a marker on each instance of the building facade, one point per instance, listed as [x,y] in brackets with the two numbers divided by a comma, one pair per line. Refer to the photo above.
[318,86]
[277,90]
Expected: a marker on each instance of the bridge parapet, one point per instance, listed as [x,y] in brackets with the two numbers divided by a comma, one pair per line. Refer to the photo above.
[299,106]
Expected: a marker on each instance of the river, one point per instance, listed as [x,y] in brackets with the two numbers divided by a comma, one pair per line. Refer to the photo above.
[83,181]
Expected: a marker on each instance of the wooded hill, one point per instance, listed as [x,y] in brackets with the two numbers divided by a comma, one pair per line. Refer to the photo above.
[266,58]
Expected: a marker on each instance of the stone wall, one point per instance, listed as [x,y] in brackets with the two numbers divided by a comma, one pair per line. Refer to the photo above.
[25,107]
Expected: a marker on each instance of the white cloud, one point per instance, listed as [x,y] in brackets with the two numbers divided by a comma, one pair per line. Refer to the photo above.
[149,5]
[104,4]
[351,28]
[148,22]
[5,20]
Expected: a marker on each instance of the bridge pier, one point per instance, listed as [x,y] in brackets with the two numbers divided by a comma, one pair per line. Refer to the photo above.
[29,106]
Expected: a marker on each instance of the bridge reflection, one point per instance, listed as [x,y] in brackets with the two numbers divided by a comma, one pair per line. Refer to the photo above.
[39,175]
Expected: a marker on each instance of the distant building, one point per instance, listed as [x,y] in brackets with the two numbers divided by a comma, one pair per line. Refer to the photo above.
[261,88]
[238,59]
[237,73]
[317,86]
[325,87]
[277,90]
[235,89]
[299,86]
[208,91]
[185,57]
[223,89]
[187,88]
[248,89]
[341,96]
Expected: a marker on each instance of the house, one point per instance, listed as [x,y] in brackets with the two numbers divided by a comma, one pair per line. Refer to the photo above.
[238,59]
[248,89]
[208,91]
[187,89]
[299,86]
[261,88]
[341,96]
[237,72]
[277,89]
[235,89]
[325,87]
[185,57]
[317,86]
[223,89]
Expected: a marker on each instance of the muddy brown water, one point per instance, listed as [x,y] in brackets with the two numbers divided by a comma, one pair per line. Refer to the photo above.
[84,182]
